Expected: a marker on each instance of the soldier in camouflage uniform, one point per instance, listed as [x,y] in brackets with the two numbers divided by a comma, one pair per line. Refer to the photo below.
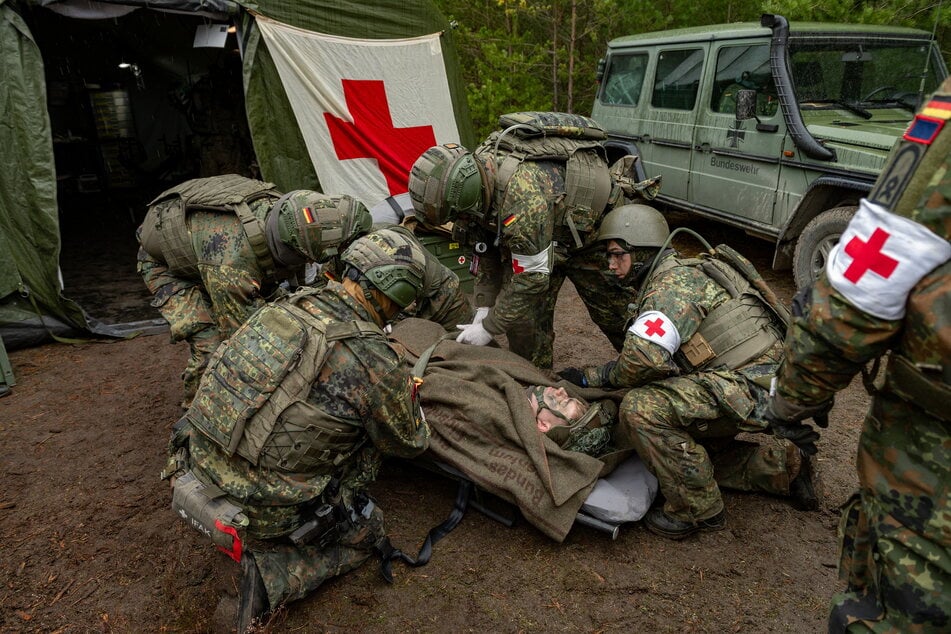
[887,287]
[289,423]
[529,206]
[702,340]
[212,253]
[441,299]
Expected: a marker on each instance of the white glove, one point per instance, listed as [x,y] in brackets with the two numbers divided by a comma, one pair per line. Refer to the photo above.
[473,334]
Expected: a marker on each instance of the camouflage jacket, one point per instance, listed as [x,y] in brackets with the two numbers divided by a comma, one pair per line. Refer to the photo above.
[219,241]
[527,216]
[677,298]
[347,390]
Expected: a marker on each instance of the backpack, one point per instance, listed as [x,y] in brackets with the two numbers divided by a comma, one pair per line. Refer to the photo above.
[165,233]
[571,139]
[253,396]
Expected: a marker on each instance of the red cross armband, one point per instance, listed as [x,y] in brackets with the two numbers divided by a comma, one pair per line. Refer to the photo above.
[538,263]
[656,327]
[880,258]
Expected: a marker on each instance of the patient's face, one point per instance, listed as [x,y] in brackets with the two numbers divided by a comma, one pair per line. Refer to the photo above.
[553,406]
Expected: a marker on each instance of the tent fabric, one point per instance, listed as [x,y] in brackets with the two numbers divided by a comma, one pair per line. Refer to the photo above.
[29,222]
[30,285]
[278,143]
[103,9]
[366,108]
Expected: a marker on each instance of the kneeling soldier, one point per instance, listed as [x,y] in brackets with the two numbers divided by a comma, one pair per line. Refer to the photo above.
[289,423]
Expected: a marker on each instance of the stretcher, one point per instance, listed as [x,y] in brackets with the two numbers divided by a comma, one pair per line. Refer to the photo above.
[621,497]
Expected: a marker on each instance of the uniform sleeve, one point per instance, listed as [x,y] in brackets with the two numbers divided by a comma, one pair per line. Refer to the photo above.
[828,345]
[670,313]
[527,216]
[393,418]
[443,300]
[181,302]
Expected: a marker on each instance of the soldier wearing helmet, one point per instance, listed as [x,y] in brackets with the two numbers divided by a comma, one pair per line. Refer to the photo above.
[214,249]
[703,339]
[289,425]
[528,202]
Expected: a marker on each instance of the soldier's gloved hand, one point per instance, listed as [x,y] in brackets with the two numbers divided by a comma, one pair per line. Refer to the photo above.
[799,433]
[785,420]
[574,375]
[474,334]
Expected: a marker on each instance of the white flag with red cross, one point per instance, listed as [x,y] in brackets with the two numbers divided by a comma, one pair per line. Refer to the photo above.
[366,108]
[880,258]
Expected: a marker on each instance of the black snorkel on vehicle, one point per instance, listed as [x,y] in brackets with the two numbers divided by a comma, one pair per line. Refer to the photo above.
[779,65]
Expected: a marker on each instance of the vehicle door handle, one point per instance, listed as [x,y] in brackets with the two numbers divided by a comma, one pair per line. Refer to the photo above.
[703,147]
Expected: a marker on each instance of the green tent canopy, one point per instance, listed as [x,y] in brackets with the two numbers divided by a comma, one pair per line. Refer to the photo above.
[33,308]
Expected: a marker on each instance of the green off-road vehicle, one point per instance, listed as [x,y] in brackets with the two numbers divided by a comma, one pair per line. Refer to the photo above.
[775,128]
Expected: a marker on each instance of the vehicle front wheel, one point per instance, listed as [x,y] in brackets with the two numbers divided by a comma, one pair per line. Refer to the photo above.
[816,241]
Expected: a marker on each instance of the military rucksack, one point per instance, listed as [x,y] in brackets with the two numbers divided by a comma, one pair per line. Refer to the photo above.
[253,396]
[571,139]
[165,233]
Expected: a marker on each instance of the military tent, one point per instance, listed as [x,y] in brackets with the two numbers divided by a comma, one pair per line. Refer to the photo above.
[107,103]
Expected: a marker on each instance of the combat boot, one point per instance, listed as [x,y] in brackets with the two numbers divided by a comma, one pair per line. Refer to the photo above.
[805,490]
[253,604]
[660,523]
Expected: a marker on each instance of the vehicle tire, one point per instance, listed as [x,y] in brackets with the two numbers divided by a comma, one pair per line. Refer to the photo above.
[816,241]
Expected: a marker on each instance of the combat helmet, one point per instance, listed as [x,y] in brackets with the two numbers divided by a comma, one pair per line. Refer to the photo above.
[307,226]
[448,180]
[392,262]
[635,225]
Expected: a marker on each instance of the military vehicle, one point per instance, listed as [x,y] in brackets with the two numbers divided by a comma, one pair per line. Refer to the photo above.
[775,128]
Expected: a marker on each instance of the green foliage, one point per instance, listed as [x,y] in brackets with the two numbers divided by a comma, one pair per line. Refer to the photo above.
[543,54]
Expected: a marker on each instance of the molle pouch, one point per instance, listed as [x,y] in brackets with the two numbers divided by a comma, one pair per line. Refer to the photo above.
[242,375]
[205,508]
[306,439]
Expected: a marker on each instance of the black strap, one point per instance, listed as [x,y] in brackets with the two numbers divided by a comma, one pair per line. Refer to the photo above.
[388,552]
[396,207]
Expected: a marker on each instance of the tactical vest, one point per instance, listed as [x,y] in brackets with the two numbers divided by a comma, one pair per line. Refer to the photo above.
[253,398]
[742,328]
[573,140]
[165,234]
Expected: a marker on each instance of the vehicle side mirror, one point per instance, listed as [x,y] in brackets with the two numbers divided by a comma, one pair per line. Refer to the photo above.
[745,104]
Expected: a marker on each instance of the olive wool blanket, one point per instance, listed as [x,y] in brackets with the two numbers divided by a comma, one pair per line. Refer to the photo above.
[482,424]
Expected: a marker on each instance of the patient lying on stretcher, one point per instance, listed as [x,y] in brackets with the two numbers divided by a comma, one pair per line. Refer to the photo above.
[571,422]
[485,408]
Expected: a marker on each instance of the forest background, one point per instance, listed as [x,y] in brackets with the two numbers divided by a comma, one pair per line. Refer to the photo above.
[543,55]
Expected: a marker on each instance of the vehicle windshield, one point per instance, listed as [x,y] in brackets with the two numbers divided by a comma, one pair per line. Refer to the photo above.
[860,77]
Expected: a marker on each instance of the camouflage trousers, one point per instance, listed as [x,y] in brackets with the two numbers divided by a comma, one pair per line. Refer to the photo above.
[292,572]
[606,301]
[684,430]
[896,532]
[189,318]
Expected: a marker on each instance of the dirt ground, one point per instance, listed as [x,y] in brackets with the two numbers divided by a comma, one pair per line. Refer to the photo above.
[88,542]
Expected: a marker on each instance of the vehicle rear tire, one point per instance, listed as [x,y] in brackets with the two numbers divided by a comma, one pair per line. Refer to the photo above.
[816,241]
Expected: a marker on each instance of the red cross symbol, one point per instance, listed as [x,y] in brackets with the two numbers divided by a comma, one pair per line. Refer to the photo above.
[654,328]
[372,135]
[868,256]
[516,267]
